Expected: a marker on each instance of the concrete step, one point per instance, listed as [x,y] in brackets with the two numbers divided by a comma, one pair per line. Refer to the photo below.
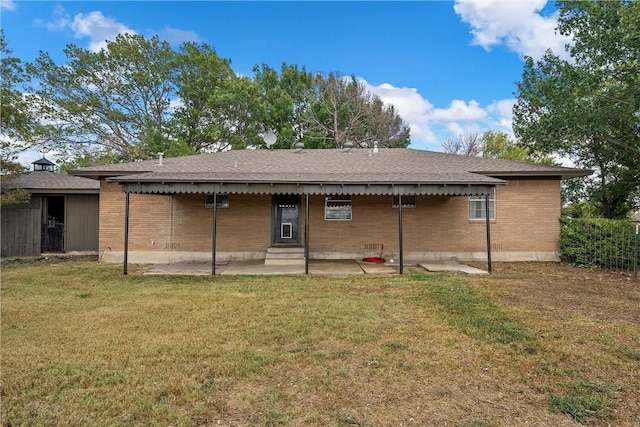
[285,250]
[284,255]
[278,261]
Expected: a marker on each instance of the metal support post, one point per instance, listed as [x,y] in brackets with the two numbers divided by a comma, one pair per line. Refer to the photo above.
[400,233]
[126,233]
[214,234]
[488,218]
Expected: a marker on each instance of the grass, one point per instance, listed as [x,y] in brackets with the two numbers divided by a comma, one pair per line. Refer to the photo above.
[541,343]
[584,401]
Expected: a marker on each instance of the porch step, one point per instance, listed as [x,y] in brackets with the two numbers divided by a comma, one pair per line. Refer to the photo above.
[284,255]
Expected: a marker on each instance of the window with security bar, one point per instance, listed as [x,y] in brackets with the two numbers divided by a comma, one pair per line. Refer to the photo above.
[477,206]
[222,201]
[407,201]
[337,208]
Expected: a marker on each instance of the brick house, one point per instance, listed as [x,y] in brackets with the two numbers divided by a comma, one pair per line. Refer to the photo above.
[404,204]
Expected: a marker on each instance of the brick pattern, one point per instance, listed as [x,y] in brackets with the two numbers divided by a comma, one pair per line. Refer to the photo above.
[527,213]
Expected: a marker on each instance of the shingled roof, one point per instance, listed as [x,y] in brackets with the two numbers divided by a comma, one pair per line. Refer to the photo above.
[335,166]
[41,182]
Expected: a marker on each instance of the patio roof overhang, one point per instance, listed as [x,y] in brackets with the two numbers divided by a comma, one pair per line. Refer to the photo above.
[311,189]
[459,184]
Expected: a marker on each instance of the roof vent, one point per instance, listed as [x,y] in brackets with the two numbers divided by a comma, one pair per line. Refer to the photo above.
[299,146]
[375,147]
[160,157]
[347,146]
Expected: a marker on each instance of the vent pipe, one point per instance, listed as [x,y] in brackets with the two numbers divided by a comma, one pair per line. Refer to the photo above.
[160,157]
[375,147]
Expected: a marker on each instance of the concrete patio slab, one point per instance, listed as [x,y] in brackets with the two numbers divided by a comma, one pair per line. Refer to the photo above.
[375,268]
[450,267]
[256,267]
[340,268]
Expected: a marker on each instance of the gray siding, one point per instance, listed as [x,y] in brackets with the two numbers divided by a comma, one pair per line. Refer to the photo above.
[81,222]
[21,230]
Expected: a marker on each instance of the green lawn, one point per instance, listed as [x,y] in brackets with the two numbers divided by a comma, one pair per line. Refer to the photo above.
[541,344]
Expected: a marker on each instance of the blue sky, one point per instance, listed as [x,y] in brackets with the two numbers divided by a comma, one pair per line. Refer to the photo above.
[449,67]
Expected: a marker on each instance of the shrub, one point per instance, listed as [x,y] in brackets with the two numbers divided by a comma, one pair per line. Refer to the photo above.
[597,242]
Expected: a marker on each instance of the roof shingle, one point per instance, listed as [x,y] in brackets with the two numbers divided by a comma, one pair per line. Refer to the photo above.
[332,165]
[45,181]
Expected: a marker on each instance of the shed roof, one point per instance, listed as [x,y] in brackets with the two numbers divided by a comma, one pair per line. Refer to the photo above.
[41,182]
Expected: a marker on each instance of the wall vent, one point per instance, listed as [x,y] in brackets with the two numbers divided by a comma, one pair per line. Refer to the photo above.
[371,246]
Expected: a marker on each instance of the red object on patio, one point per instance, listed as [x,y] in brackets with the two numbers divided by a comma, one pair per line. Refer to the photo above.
[376,259]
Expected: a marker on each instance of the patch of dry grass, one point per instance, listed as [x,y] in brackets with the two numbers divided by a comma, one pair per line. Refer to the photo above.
[82,344]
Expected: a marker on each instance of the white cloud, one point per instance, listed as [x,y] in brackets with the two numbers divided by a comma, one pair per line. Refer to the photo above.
[503,112]
[519,25]
[98,28]
[459,110]
[60,19]
[430,126]
[411,106]
[175,36]
[7,5]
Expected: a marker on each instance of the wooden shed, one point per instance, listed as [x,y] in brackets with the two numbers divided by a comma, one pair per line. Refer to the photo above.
[61,217]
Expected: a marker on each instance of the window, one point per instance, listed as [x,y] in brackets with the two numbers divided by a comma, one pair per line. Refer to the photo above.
[407,201]
[222,201]
[337,208]
[477,206]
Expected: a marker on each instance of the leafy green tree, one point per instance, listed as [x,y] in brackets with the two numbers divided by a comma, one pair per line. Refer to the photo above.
[116,100]
[285,99]
[137,97]
[214,105]
[498,145]
[16,121]
[588,108]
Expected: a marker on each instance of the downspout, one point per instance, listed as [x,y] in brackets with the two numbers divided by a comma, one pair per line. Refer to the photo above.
[126,233]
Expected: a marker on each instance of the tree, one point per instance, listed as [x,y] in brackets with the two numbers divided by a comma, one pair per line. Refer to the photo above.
[588,108]
[137,97]
[116,100]
[16,121]
[343,110]
[285,98]
[217,108]
[498,145]
[470,144]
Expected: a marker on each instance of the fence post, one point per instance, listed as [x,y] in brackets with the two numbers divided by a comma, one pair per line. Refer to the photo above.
[635,256]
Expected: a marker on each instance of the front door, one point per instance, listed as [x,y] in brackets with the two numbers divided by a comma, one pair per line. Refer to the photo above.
[286,216]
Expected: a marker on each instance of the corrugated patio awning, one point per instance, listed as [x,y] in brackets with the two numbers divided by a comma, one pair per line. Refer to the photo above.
[448,184]
[315,183]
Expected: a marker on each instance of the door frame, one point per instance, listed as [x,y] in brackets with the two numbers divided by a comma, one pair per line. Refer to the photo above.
[277,223]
